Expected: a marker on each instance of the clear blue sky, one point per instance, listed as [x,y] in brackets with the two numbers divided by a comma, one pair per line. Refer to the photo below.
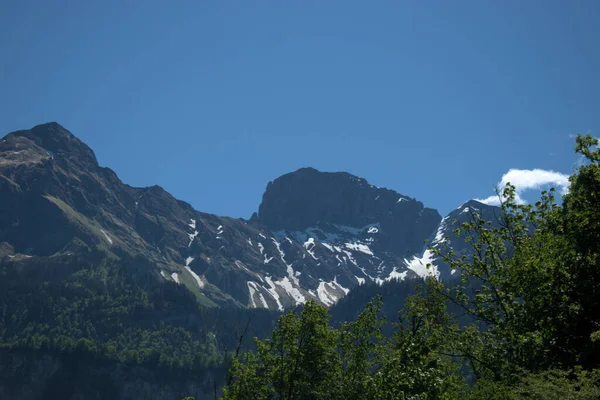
[212,99]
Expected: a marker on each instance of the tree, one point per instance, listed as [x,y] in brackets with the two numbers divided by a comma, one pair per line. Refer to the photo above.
[308,359]
[532,285]
[420,361]
[299,362]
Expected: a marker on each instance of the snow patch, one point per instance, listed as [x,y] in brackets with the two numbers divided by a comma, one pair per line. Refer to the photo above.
[290,270]
[309,245]
[350,258]
[191,236]
[196,277]
[278,245]
[359,247]
[330,247]
[326,298]
[396,275]
[292,275]
[192,224]
[253,289]
[175,277]
[419,265]
[108,239]
[469,210]
[291,290]
[439,234]
[262,251]
[273,292]
[326,292]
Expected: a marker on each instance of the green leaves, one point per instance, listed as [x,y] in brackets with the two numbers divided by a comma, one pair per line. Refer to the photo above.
[529,326]
[308,359]
[300,361]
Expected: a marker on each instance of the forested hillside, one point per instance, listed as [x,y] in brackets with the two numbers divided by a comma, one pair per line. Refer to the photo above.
[93,312]
[523,322]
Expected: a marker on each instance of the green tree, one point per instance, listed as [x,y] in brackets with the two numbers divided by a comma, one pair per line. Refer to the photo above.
[362,349]
[299,362]
[308,359]
[527,326]
[532,284]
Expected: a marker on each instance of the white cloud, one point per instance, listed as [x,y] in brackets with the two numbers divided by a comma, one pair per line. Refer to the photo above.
[492,200]
[529,179]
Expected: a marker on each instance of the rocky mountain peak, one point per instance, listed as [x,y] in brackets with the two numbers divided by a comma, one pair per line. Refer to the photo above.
[306,197]
[55,140]
[309,198]
[474,206]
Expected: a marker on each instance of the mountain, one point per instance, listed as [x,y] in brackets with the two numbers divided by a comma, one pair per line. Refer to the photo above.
[108,290]
[316,234]
[444,236]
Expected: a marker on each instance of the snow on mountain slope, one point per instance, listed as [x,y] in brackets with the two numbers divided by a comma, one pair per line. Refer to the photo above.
[419,263]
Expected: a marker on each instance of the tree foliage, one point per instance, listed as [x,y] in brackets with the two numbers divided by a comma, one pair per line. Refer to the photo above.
[525,321]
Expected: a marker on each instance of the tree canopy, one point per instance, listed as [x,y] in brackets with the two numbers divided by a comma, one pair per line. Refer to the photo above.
[523,321]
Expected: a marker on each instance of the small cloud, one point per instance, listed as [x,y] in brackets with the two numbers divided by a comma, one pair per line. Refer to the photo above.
[491,201]
[572,136]
[529,179]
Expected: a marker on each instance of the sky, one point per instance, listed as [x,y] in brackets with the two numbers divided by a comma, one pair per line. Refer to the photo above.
[211,100]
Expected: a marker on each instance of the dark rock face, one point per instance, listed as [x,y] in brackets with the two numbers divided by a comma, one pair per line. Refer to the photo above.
[307,198]
[316,236]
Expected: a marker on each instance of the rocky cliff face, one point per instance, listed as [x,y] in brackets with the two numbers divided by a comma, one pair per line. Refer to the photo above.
[307,198]
[316,236]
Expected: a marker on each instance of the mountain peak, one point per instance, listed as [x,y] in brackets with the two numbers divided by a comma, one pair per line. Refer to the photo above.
[475,204]
[56,139]
[308,198]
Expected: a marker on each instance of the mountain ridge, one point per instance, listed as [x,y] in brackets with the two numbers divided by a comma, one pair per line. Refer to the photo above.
[315,236]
